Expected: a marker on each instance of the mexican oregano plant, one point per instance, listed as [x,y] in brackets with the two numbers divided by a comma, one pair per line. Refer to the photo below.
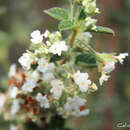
[55,80]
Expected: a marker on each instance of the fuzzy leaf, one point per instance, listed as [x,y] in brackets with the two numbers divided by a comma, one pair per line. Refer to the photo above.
[66,25]
[57,13]
[108,57]
[101,29]
[105,30]
[86,60]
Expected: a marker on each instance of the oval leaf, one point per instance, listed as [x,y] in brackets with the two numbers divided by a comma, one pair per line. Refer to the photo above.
[66,25]
[57,13]
[86,60]
[100,29]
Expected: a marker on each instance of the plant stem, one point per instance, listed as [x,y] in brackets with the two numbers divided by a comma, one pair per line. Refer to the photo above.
[73,37]
[72,9]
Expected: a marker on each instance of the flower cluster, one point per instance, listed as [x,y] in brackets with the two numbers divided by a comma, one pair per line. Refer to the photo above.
[89,6]
[108,67]
[54,78]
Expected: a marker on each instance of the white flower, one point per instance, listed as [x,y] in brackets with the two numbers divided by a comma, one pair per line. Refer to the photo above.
[47,77]
[74,103]
[42,65]
[58,34]
[121,57]
[93,88]
[25,60]
[12,70]
[81,79]
[13,127]
[44,102]
[103,78]
[57,88]
[46,34]
[15,107]
[72,107]
[51,67]
[29,85]
[58,47]
[52,36]
[89,34]
[48,43]
[37,51]
[13,91]
[84,3]
[32,75]
[78,113]
[97,10]
[90,22]
[83,113]
[36,37]
[109,67]
[2,101]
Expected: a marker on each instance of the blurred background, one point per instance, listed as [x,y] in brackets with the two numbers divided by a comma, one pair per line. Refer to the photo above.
[111,104]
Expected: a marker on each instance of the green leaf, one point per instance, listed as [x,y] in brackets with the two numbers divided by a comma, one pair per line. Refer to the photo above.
[55,58]
[57,13]
[82,15]
[66,25]
[101,29]
[107,57]
[86,60]
[105,30]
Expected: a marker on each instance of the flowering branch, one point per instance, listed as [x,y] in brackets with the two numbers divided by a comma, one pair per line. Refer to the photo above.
[54,78]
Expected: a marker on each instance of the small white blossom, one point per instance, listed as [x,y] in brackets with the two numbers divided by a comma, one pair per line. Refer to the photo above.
[36,37]
[103,78]
[97,10]
[44,102]
[13,127]
[72,106]
[83,113]
[46,34]
[47,77]
[92,88]
[109,67]
[12,70]
[29,85]
[37,51]
[13,91]
[57,88]
[81,79]
[15,107]
[89,34]
[25,60]
[51,67]
[58,34]
[74,103]
[48,43]
[42,65]
[84,3]
[121,57]
[90,22]
[58,47]
[52,36]
[32,75]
